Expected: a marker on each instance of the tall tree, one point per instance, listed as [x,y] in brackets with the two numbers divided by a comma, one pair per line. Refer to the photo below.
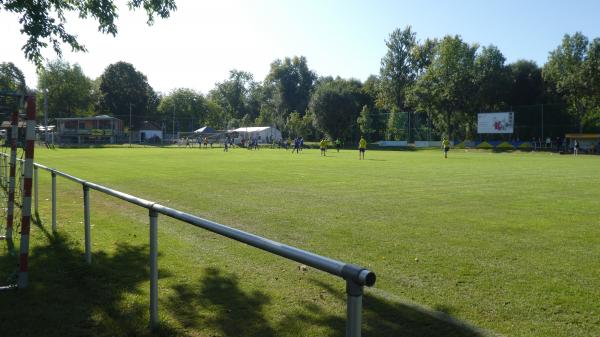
[572,70]
[398,69]
[233,94]
[335,106]
[446,88]
[366,122]
[297,125]
[69,90]
[12,78]
[186,106]
[126,92]
[292,83]
[527,86]
[44,21]
[396,125]
[492,78]
[423,54]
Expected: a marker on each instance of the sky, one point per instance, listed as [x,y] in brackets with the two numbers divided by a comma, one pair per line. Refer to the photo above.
[203,40]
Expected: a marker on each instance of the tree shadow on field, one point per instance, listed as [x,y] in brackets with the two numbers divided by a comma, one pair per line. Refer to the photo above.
[216,306]
[217,303]
[383,318]
[67,297]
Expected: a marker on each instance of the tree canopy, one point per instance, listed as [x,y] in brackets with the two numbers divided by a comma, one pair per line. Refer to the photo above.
[429,88]
[335,106]
[124,89]
[573,69]
[446,88]
[12,78]
[69,90]
[44,21]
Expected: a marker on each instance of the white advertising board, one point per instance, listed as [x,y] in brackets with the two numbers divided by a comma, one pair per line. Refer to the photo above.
[495,122]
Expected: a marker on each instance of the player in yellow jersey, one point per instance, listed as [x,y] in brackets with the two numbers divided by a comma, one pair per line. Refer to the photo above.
[323,146]
[362,147]
[446,147]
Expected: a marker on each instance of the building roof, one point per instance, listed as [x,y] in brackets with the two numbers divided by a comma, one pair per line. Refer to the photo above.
[251,129]
[150,126]
[100,117]
[583,135]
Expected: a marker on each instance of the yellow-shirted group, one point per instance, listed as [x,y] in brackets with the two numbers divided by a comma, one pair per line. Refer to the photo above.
[362,146]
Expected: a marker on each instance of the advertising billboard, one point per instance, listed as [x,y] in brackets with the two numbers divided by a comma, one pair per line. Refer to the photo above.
[495,122]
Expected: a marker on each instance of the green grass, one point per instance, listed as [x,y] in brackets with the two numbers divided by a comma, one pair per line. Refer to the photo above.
[506,242]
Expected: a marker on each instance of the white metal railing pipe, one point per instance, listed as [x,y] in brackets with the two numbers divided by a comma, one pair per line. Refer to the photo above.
[351,272]
[356,277]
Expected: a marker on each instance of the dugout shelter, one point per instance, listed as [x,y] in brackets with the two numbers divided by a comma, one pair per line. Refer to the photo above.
[588,142]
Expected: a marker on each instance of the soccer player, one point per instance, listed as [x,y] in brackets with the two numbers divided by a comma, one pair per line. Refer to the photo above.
[296,145]
[338,144]
[323,146]
[446,147]
[362,147]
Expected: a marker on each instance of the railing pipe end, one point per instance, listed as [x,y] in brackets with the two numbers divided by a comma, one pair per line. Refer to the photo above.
[359,275]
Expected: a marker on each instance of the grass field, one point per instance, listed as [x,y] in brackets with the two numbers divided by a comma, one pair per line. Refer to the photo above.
[500,243]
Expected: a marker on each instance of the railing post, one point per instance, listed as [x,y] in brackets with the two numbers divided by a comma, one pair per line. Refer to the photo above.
[21,177]
[86,218]
[53,201]
[3,171]
[35,189]
[354,308]
[153,269]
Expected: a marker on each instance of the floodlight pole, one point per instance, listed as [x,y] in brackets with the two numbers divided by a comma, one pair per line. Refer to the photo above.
[46,115]
[129,124]
[173,135]
[542,121]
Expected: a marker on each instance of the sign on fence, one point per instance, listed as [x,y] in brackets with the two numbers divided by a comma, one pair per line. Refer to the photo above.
[495,122]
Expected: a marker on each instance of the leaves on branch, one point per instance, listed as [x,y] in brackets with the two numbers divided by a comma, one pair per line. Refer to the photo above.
[43,21]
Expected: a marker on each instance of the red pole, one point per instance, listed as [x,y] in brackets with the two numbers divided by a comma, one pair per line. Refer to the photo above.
[13,168]
[27,182]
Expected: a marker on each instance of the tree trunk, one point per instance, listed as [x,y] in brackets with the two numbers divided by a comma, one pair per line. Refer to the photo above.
[449,124]
[580,113]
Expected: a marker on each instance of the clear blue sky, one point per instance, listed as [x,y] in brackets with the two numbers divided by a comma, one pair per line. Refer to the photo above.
[203,40]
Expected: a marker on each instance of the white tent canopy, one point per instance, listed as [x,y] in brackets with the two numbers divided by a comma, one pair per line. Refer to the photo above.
[205,129]
[264,134]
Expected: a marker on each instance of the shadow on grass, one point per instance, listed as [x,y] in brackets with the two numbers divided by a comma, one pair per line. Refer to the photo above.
[217,303]
[383,318]
[67,297]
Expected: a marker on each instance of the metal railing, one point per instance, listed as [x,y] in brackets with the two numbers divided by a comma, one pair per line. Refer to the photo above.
[355,276]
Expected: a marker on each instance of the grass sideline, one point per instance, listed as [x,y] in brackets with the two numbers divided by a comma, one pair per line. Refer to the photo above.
[506,241]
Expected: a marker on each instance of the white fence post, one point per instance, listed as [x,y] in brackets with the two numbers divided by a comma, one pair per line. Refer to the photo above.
[53,202]
[86,218]
[153,268]
[353,309]
[35,189]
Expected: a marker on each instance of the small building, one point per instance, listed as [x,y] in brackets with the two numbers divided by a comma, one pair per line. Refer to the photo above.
[150,133]
[6,130]
[263,134]
[101,129]
[587,141]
